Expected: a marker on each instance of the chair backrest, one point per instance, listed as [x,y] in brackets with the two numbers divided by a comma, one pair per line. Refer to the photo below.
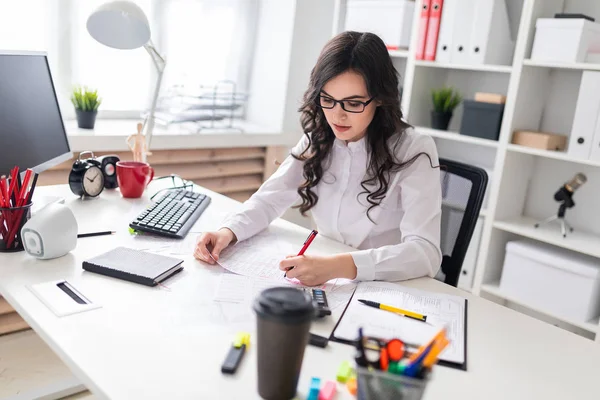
[463,189]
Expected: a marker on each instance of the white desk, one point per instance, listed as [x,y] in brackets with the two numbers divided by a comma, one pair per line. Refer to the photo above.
[151,343]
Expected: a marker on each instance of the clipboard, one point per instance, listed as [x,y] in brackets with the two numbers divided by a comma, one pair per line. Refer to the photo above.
[342,329]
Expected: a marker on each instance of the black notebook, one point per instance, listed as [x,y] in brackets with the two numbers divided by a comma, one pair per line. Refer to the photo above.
[134,266]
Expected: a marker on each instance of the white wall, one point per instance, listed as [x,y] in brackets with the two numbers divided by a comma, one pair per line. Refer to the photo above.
[290,37]
[313,24]
[269,76]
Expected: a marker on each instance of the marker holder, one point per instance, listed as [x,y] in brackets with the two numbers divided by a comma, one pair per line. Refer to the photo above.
[382,385]
[10,236]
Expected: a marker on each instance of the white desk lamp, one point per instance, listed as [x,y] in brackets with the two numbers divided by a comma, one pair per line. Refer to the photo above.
[123,25]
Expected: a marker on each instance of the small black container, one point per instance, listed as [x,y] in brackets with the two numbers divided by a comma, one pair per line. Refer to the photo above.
[440,120]
[86,119]
[482,120]
[10,241]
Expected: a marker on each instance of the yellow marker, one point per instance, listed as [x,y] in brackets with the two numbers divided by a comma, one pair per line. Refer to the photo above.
[396,310]
[240,339]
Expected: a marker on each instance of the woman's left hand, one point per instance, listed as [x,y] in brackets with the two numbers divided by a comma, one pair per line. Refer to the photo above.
[309,270]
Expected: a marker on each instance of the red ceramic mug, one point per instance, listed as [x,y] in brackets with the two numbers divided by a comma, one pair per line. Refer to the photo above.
[133,177]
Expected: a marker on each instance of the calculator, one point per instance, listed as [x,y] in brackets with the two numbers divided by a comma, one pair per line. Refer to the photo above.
[320,299]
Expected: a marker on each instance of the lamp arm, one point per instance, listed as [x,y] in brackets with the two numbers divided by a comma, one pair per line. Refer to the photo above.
[159,64]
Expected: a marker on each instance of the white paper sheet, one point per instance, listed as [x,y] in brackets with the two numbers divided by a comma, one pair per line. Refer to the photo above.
[258,256]
[242,289]
[440,309]
[184,246]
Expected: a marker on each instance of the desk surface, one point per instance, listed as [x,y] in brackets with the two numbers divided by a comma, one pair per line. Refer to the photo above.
[154,343]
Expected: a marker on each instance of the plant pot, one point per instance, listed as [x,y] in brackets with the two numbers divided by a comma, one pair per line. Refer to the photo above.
[86,119]
[440,120]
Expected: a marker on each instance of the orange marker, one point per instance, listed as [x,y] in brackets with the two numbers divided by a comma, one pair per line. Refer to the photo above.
[440,334]
[432,357]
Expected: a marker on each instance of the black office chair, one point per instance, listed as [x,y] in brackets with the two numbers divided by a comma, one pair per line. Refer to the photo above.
[463,188]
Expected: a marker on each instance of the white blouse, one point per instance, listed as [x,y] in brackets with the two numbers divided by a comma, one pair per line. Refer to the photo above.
[402,243]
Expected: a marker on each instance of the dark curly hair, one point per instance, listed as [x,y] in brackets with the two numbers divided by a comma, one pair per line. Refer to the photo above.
[367,55]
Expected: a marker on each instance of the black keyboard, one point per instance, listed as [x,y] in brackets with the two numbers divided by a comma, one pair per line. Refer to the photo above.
[173,214]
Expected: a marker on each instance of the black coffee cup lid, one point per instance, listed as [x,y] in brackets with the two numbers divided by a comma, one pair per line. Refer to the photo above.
[285,304]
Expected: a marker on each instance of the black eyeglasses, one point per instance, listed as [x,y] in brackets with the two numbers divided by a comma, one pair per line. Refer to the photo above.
[351,106]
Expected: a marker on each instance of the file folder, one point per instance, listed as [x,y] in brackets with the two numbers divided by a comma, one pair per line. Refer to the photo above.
[595,150]
[423,24]
[586,116]
[461,37]
[444,42]
[490,39]
[433,28]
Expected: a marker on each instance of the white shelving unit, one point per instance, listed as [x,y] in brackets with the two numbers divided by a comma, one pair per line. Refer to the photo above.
[503,69]
[540,96]
[577,66]
[555,155]
[456,137]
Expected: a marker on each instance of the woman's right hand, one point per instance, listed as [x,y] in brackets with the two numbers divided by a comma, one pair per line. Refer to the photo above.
[212,243]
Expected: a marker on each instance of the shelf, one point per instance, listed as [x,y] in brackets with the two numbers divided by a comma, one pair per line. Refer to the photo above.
[507,69]
[398,53]
[494,289]
[457,137]
[556,155]
[579,241]
[559,65]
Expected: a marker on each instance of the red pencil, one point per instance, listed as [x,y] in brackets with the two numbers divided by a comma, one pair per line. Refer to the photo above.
[4,189]
[307,243]
[24,187]
[13,185]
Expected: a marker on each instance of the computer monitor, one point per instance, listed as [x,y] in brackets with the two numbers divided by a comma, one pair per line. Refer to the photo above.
[32,133]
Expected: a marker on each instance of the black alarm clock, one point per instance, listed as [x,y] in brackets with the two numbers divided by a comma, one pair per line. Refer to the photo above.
[86,178]
[109,170]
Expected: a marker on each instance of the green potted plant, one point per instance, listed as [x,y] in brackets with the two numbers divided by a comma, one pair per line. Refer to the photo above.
[86,104]
[445,100]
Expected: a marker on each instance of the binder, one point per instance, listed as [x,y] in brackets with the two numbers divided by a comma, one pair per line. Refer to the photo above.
[423,23]
[444,42]
[490,40]
[391,20]
[461,37]
[433,28]
[595,151]
[586,116]
[465,280]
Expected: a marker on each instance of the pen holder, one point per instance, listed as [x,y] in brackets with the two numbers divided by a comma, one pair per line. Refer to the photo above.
[12,220]
[380,385]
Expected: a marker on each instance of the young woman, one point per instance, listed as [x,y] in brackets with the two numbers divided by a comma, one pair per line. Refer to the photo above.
[368,179]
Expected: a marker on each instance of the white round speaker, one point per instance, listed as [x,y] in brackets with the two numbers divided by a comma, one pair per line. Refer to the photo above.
[51,232]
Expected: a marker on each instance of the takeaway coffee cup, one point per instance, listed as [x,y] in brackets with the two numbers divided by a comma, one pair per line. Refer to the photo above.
[284,315]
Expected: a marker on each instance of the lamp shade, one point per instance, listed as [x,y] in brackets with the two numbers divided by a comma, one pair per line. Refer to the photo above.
[119,24]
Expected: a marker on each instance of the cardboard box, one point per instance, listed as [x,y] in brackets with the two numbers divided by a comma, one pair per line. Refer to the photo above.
[540,140]
[490,98]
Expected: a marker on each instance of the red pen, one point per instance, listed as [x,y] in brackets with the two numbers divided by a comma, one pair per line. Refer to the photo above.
[307,243]
[4,189]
